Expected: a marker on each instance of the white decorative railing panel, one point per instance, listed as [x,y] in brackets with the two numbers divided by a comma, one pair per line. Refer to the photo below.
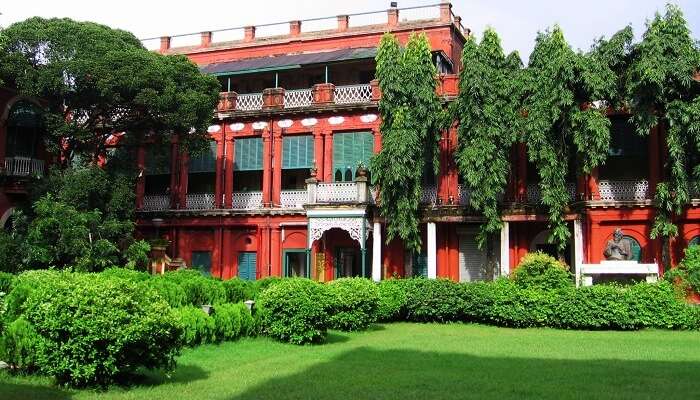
[429,195]
[247,200]
[353,94]
[534,194]
[157,202]
[23,166]
[293,198]
[336,192]
[249,102]
[463,195]
[200,201]
[298,98]
[624,190]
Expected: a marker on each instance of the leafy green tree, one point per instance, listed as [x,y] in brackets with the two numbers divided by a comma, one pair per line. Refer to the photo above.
[661,91]
[490,122]
[97,81]
[411,117]
[565,104]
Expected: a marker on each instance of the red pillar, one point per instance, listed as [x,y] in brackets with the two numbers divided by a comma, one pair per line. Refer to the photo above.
[521,188]
[318,152]
[228,180]
[227,255]
[442,179]
[277,168]
[174,175]
[653,157]
[184,176]
[219,183]
[442,254]
[216,259]
[595,244]
[328,156]
[377,140]
[453,174]
[593,191]
[267,167]
[141,180]
[453,258]
[276,256]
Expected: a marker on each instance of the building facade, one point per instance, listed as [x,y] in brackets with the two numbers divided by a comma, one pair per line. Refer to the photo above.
[283,191]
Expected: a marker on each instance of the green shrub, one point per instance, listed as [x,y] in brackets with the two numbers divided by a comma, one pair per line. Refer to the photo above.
[248,327]
[6,280]
[687,272]
[15,301]
[128,274]
[353,303]
[168,290]
[392,300]
[227,321]
[594,307]
[238,290]
[19,344]
[659,306]
[260,285]
[433,300]
[508,304]
[294,310]
[198,289]
[96,328]
[539,270]
[197,326]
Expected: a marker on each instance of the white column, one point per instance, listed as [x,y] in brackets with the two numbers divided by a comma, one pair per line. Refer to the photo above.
[377,252]
[432,251]
[505,249]
[578,250]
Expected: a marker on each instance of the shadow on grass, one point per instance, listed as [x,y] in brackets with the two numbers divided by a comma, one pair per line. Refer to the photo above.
[19,391]
[184,373]
[400,374]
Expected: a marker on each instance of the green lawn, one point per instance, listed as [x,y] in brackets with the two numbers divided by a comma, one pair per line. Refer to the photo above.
[413,361]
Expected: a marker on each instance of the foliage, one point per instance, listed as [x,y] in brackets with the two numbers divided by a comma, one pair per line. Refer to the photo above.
[687,272]
[488,112]
[137,255]
[10,252]
[562,123]
[107,81]
[96,328]
[128,274]
[198,289]
[661,91]
[197,327]
[433,300]
[392,300]
[170,291]
[6,280]
[542,271]
[19,345]
[238,290]
[411,118]
[260,285]
[227,321]
[294,310]
[353,303]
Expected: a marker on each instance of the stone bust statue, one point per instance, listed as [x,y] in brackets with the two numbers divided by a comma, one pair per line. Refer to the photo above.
[618,248]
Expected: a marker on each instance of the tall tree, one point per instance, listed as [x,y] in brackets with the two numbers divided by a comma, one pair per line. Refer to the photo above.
[97,81]
[488,112]
[563,122]
[411,117]
[661,91]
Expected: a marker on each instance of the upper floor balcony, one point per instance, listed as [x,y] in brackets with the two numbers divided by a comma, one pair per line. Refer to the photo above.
[23,166]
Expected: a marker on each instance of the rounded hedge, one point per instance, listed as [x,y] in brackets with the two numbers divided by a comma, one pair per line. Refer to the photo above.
[353,303]
[19,344]
[238,290]
[433,300]
[197,326]
[542,271]
[199,289]
[170,291]
[227,321]
[294,310]
[392,300]
[95,328]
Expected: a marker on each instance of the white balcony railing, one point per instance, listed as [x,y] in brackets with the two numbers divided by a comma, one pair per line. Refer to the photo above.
[337,192]
[353,94]
[636,190]
[200,201]
[534,194]
[463,195]
[298,98]
[24,166]
[247,200]
[157,202]
[249,102]
[294,198]
[429,195]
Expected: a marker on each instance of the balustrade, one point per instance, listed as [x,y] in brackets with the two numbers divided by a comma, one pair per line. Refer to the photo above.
[246,200]
[352,94]
[249,102]
[336,192]
[298,98]
[293,198]
[636,190]
[23,166]
[158,202]
[200,201]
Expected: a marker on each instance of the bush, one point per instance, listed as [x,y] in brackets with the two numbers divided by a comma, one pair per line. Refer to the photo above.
[433,300]
[248,327]
[198,289]
[392,300]
[294,310]
[514,306]
[197,326]
[594,307]
[238,290]
[227,321]
[539,270]
[262,284]
[658,306]
[6,280]
[353,303]
[688,270]
[96,328]
[19,344]
[128,274]
[170,291]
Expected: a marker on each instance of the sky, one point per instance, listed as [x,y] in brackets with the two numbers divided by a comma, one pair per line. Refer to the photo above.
[516,21]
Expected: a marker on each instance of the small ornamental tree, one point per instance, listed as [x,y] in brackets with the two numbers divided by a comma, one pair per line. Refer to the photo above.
[411,115]
[663,90]
[488,112]
[563,122]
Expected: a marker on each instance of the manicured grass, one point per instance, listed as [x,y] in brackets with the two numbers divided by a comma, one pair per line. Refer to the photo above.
[413,361]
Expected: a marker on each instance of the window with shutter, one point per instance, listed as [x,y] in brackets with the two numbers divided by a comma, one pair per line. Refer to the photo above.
[201,260]
[247,265]
[472,260]
[206,162]
[351,149]
[298,152]
[248,155]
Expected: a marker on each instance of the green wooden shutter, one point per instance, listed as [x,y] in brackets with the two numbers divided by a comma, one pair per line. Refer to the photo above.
[635,248]
[351,149]
[248,155]
[247,265]
[420,265]
[205,162]
[298,152]
[201,260]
